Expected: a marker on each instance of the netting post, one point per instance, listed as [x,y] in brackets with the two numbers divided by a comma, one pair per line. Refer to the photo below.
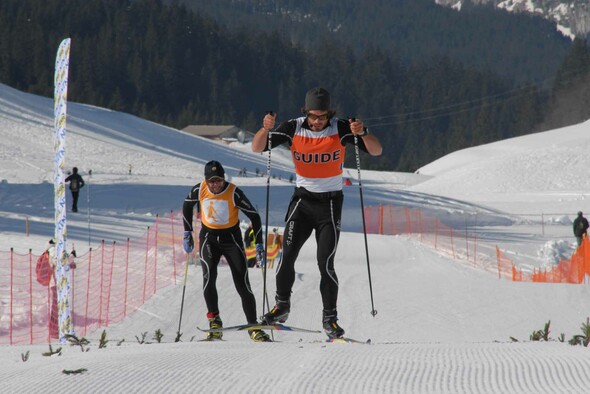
[87,291]
[436,233]
[101,284]
[419,212]
[110,285]
[452,244]
[48,312]
[126,280]
[156,255]
[147,248]
[31,295]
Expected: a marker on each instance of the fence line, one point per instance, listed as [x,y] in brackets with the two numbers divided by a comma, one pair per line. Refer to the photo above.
[108,284]
[574,270]
[466,248]
[462,246]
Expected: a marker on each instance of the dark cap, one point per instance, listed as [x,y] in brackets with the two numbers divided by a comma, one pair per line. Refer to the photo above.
[580,213]
[317,99]
[213,169]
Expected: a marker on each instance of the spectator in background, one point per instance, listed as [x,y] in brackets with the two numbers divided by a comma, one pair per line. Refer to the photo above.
[76,183]
[580,227]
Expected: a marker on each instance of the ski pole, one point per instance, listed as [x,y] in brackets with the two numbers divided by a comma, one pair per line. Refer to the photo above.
[179,334]
[358,167]
[265,301]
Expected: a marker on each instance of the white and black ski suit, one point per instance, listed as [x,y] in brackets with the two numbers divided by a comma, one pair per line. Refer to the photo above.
[221,236]
[317,201]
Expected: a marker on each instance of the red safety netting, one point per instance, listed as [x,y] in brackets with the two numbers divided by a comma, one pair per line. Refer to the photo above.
[572,271]
[415,223]
[464,245]
[108,284]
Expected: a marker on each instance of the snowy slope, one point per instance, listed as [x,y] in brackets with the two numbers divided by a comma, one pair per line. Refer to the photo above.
[442,326]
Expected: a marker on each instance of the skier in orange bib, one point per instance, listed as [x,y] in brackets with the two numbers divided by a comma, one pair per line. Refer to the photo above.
[219,203]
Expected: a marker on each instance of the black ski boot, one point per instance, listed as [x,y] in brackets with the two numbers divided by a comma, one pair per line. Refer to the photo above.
[331,327]
[279,313]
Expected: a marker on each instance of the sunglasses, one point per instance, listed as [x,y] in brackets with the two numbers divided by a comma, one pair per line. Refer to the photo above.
[215,180]
[322,117]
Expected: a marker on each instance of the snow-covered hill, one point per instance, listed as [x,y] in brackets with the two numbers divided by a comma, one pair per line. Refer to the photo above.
[441,327]
[572,17]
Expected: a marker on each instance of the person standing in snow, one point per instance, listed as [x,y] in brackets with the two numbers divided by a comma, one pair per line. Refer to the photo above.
[317,141]
[76,183]
[580,227]
[219,203]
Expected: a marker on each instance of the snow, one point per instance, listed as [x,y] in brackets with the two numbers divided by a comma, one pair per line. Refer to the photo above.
[442,326]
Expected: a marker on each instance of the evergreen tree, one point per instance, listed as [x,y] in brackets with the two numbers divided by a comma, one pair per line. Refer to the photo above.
[571,90]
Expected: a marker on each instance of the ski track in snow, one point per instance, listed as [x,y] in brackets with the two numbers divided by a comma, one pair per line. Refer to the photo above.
[313,368]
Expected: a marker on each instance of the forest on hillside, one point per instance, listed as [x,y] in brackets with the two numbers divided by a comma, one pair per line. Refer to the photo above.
[175,66]
[522,47]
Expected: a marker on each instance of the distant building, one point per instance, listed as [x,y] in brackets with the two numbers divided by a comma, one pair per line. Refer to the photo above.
[228,133]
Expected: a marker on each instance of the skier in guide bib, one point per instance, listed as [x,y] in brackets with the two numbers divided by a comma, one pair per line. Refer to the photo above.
[219,203]
[317,141]
[76,183]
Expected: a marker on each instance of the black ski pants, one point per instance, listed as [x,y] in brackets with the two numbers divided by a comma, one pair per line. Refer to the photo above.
[75,196]
[227,243]
[308,212]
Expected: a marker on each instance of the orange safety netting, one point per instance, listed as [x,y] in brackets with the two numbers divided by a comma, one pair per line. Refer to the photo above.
[108,284]
[572,271]
[414,222]
[463,245]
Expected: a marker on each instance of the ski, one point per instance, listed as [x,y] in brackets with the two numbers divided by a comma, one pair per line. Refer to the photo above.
[348,340]
[244,327]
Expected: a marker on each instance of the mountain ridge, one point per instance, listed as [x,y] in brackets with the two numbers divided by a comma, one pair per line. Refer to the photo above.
[572,17]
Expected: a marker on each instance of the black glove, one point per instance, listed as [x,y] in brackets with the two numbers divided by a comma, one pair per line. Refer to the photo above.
[260,254]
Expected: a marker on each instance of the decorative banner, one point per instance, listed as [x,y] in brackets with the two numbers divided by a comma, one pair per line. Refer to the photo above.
[62,269]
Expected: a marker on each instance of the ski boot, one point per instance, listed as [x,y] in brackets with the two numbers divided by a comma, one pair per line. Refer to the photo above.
[331,327]
[214,322]
[259,336]
[279,313]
